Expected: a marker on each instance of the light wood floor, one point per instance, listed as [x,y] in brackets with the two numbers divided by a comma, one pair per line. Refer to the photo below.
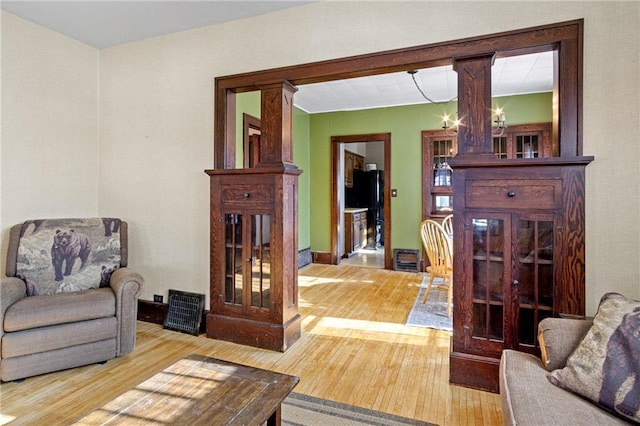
[354,349]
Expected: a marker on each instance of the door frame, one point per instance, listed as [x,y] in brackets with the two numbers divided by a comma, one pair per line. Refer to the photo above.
[337,178]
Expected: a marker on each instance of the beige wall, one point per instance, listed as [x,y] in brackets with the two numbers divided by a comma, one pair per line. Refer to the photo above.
[49,154]
[156,119]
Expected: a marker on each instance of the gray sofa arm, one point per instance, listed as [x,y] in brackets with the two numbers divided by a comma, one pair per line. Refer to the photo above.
[11,290]
[558,338]
[127,286]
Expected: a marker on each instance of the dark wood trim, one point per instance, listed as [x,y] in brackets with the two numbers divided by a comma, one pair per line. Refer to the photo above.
[321,257]
[385,138]
[152,312]
[427,172]
[248,122]
[564,36]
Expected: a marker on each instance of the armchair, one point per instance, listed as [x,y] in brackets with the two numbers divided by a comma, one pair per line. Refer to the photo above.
[68,298]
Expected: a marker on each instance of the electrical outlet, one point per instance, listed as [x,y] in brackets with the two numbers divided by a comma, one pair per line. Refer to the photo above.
[158,298]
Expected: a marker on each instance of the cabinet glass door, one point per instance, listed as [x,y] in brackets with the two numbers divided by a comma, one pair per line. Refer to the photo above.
[489,265]
[261,261]
[536,251]
[233,259]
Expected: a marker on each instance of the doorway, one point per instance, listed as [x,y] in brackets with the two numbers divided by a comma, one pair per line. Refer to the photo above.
[378,222]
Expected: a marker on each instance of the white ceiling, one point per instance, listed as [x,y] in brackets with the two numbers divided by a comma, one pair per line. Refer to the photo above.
[510,76]
[105,24]
[110,23]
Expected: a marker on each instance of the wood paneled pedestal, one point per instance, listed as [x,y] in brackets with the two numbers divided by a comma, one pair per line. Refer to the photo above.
[254,262]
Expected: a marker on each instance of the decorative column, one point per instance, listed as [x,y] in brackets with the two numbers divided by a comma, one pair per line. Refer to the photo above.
[276,133]
[474,104]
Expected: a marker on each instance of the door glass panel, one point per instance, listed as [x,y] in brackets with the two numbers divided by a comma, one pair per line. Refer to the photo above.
[233,257]
[261,261]
[443,203]
[442,154]
[527,146]
[535,290]
[500,147]
[488,275]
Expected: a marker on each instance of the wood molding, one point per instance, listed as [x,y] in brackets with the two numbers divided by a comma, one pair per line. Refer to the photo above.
[565,37]
[321,257]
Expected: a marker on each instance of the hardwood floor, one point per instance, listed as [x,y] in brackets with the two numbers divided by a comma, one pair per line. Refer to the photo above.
[368,258]
[354,349]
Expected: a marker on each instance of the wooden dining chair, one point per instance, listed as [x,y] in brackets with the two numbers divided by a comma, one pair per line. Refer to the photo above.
[438,249]
[447,224]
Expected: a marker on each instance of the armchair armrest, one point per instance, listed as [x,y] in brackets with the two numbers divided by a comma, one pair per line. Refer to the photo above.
[127,286]
[11,290]
[558,338]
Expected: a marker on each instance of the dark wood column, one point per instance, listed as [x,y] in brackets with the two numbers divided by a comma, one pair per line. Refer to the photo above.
[276,140]
[474,104]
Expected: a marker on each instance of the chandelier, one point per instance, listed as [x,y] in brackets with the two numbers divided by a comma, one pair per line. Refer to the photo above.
[450,125]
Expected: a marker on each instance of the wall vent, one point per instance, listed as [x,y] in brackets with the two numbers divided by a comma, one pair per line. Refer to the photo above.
[185,312]
[407,260]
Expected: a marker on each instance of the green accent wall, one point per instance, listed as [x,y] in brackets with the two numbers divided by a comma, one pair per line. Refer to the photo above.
[249,103]
[301,157]
[405,123]
[312,153]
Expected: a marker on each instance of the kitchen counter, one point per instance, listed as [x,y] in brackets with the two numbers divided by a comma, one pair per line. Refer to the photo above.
[355,209]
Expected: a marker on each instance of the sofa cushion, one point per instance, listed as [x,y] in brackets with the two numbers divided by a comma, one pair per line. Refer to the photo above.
[605,367]
[42,311]
[43,339]
[558,338]
[58,255]
[529,399]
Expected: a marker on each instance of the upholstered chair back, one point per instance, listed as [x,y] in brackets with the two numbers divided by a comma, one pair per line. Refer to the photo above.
[64,255]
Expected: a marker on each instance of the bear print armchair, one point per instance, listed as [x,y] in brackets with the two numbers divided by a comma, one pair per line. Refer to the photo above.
[68,298]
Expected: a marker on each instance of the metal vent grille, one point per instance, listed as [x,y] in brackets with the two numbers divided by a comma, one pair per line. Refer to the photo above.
[185,312]
[406,260]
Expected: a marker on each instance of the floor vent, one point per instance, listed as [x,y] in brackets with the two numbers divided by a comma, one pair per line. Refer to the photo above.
[185,312]
[406,260]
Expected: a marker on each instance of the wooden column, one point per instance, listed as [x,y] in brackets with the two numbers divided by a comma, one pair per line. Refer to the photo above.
[474,104]
[276,140]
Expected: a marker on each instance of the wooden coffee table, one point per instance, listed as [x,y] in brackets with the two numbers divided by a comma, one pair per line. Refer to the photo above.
[200,390]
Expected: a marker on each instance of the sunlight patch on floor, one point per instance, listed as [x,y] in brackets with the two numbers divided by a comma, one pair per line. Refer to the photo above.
[5,419]
[332,326]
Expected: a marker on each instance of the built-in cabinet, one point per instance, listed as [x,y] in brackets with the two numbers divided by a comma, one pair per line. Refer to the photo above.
[253,286]
[521,233]
[254,236]
[355,225]
[440,146]
[352,161]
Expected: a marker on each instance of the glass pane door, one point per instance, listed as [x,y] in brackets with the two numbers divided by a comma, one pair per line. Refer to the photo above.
[536,251]
[490,255]
[261,261]
[233,259]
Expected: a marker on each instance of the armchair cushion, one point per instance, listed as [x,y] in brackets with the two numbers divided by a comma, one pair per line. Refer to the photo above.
[63,255]
[41,311]
[46,339]
[605,367]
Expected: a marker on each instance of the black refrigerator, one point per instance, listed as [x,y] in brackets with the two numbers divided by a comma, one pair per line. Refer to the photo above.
[368,191]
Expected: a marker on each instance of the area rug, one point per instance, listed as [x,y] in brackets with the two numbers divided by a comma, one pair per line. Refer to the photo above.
[304,410]
[432,314]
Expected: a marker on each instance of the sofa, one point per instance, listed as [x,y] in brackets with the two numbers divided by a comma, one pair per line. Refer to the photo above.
[528,396]
[68,298]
